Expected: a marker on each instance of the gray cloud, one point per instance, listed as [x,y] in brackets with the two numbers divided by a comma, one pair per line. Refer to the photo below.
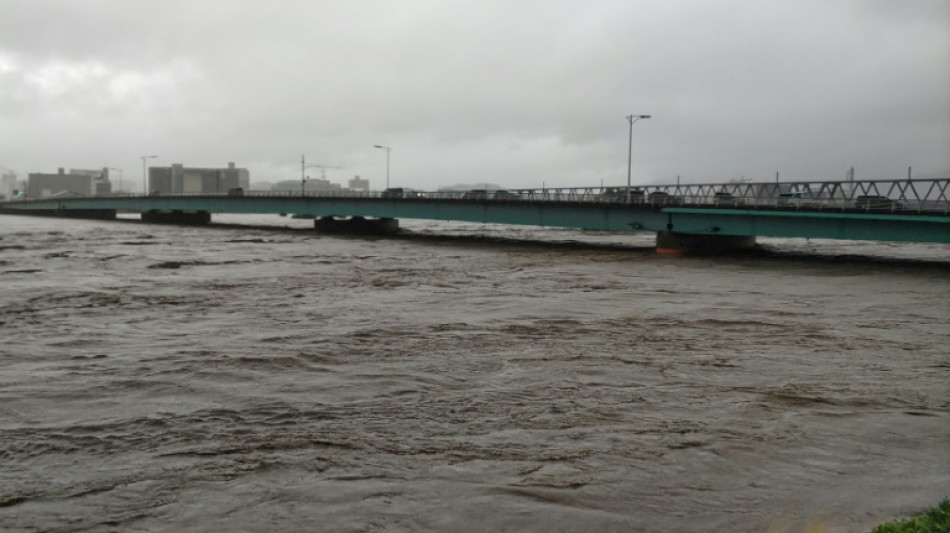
[514,93]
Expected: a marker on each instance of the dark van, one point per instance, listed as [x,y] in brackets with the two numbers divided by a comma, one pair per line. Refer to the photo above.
[401,192]
[502,194]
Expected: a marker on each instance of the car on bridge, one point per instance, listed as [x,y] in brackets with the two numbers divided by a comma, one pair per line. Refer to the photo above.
[502,194]
[490,194]
[401,192]
[664,198]
[726,198]
[801,199]
[789,198]
[476,194]
[877,202]
[619,194]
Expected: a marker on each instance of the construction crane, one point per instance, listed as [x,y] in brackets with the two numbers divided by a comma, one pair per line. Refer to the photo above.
[304,166]
[323,170]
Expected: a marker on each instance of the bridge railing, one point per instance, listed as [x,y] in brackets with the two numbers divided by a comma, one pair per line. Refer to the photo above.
[905,196]
[921,195]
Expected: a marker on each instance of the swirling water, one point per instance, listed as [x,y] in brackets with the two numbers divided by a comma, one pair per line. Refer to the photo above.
[463,377]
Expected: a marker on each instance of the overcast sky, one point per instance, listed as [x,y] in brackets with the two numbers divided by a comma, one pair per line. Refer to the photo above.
[513,92]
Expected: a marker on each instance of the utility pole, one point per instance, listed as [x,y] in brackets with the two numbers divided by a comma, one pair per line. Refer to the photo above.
[303,177]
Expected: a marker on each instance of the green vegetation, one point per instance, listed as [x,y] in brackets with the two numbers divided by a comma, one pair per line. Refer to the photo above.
[936,520]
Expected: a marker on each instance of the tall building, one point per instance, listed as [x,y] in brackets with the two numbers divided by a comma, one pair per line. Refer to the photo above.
[178,179]
[7,185]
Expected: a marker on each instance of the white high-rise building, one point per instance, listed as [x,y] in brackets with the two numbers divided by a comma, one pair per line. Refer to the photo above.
[7,185]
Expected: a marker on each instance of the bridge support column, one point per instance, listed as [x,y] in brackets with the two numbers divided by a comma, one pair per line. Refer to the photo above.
[357,225]
[670,243]
[177,217]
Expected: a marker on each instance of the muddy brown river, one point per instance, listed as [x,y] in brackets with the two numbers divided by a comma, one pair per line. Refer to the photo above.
[463,378]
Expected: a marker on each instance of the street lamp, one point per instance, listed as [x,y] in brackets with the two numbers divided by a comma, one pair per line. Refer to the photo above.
[631,119]
[119,170]
[388,149]
[144,174]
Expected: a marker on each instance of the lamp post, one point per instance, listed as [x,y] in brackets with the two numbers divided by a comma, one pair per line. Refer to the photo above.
[631,119]
[388,149]
[119,170]
[145,174]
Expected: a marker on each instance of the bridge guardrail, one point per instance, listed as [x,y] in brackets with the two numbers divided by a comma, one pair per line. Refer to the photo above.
[904,196]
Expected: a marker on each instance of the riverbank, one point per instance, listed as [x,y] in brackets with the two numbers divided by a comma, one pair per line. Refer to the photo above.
[933,520]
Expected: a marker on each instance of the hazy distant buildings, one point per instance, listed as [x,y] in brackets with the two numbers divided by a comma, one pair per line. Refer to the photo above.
[359,185]
[101,184]
[262,186]
[309,185]
[77,182]
[178,179]
[312,185]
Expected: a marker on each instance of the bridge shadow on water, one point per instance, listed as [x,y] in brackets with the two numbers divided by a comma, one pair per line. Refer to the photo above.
[762,252]
[855,259]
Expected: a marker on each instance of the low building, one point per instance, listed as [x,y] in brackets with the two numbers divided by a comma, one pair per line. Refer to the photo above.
[308,185]
[76,182]
[179,179]
[40,185]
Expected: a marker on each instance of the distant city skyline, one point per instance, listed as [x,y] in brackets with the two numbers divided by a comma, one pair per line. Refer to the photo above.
[518,94]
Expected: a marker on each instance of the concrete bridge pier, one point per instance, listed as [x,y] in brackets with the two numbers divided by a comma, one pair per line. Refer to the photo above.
[671,243]
[195,218]
[357,225]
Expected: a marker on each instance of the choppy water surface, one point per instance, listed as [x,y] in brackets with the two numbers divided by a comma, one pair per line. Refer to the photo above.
[157,378]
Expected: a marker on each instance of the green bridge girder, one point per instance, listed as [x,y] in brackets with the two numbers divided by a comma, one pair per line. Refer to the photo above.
[604,216]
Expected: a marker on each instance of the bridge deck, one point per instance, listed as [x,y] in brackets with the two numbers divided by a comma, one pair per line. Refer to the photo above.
[907,210]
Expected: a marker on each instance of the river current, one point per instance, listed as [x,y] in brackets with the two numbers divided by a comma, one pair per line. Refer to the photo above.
[463,377]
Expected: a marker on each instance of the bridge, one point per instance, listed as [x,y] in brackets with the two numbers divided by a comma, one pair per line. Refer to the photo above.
[684,217]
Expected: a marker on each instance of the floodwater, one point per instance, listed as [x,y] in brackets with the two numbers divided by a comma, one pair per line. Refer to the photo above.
[463,378]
